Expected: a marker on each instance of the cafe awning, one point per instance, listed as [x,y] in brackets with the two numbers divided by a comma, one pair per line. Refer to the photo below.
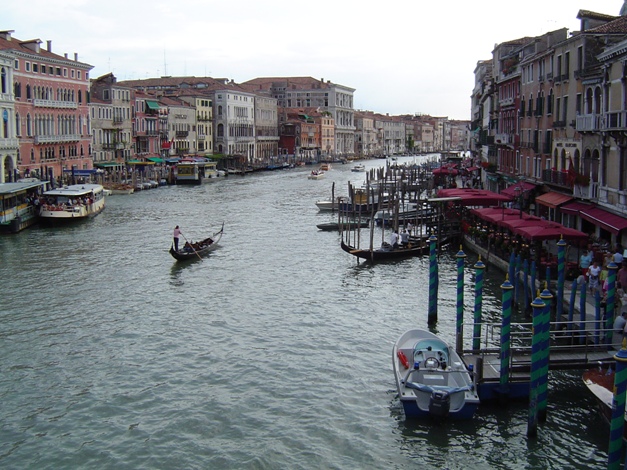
[604,219]
[155,159]
[553,199]
[574,207]
[474,197]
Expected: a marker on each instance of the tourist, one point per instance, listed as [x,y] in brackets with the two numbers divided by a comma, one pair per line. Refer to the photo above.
[176,235]
[621,277]
[394,240]
[593,274]
[618,255]
[618,329]
[584,262]
[404,238]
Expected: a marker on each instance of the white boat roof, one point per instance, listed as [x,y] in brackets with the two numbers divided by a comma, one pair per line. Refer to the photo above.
[74,190]
[12,188]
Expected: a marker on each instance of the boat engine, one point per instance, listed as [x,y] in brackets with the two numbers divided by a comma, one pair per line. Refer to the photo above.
[439,403]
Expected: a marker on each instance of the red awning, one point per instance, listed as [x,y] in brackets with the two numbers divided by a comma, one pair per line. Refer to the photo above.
[516,189]
[473,168]
[474,197]
[574,207]
[445,171]
[549,231]
[553,199]
[604,219]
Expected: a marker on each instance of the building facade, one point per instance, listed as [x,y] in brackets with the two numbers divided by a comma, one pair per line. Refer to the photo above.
[9,145]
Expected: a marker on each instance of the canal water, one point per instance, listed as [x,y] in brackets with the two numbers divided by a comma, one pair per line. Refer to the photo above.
[272,352]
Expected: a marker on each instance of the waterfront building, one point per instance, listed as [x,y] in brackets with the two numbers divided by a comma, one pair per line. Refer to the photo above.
[111,121]
[266,128]
[204,121]
[327,134]
[9,146]
[456,135]
[299,134]
[482,105]
[180,128]
[149,127]
[51,95]
[366,144]
[308,92]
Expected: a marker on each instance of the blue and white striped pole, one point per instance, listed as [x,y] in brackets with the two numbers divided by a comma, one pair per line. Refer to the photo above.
[459,331]
[545,335]
[476,331]
[561,276]
[532,423]
[506,322]
[433,282]
[617,423]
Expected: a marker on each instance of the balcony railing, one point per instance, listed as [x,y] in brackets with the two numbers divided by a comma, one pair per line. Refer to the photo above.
[50,139]
[55,104]
[182,133]
[586,192]
[502,139]
[559,124]
[556,177]
[9,144]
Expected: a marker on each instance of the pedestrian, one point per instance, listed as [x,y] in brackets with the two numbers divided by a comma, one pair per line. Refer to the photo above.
[584,262]
[176,235]
[618,329]
[618,255]
[593,274]
[621,277]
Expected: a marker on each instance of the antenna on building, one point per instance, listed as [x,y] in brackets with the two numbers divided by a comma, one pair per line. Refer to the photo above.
[165,65]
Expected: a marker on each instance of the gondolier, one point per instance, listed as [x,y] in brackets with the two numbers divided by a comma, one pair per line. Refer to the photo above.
[177,234]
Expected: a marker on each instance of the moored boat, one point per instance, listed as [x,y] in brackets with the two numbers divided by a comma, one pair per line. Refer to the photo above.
[18,204]
[348,225]
[601,383]
[387,252]
[71,203]
[431,379]
[192,251]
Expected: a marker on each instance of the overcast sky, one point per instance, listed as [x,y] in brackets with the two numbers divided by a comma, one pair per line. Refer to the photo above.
[401,56]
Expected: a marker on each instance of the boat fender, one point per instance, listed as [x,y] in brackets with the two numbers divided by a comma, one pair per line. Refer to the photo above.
[403,359]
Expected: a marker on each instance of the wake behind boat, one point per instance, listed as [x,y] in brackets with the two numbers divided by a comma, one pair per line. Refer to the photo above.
[70,203]
[431,378]
[191,251]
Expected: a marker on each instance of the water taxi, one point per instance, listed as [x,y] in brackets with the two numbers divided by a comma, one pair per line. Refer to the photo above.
[18,204]
[195,172]
[70,203]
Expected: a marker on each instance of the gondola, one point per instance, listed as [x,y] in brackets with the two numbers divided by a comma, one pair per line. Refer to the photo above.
[417,246]
[196,250]
[386,252]
[347,225]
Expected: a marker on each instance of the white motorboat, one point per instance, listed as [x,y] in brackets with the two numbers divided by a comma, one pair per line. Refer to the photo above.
[360,167]
[74,202]
[316,175]
[431,378]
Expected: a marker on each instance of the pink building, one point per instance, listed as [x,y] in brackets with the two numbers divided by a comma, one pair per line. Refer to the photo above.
[51,108]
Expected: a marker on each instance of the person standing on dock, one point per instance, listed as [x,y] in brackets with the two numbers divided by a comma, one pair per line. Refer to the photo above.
[176,236]
[584,262]
[621,277]
[404,238]
[618,329]
[593,274]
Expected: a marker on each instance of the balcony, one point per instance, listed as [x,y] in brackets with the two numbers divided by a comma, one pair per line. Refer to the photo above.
[9,144]
[549,76]
[503,139]
[588,123]
[182,133]
[615,121]
[557,178]
[590,191]
[55,104]
[51,139]
[506,102]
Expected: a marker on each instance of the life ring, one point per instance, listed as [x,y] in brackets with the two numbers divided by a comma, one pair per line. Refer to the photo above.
[403,359]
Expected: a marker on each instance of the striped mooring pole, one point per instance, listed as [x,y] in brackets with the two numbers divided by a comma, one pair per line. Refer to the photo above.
[506,323]
[571,305]
[561,276]
[582,312]
[432,316]
[459,331]
[545,339]
[618,410]
[532,422]
[476,330]
[610,306]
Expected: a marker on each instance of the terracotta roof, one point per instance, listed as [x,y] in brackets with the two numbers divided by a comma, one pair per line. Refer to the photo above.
[185,84]
[617,26]
[18,45]
[594,15]
[298,83]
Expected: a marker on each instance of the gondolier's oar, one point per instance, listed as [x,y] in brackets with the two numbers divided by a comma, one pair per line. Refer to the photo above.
[192,247]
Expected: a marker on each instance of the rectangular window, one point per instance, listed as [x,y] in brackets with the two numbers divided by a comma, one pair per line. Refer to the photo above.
[17,64]
[43,69]
[27,66]
[59,71]
[78,74]
[72,73]
[65,72]
[35,68]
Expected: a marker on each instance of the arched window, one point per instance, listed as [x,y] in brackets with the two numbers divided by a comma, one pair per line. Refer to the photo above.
[3,80]
[597,100]
[18,129]
[28,92]
[17,90]
[220,130]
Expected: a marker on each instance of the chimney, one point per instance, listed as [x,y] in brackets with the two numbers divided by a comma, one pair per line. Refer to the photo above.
[49,45]
[75,57]
[65,55]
